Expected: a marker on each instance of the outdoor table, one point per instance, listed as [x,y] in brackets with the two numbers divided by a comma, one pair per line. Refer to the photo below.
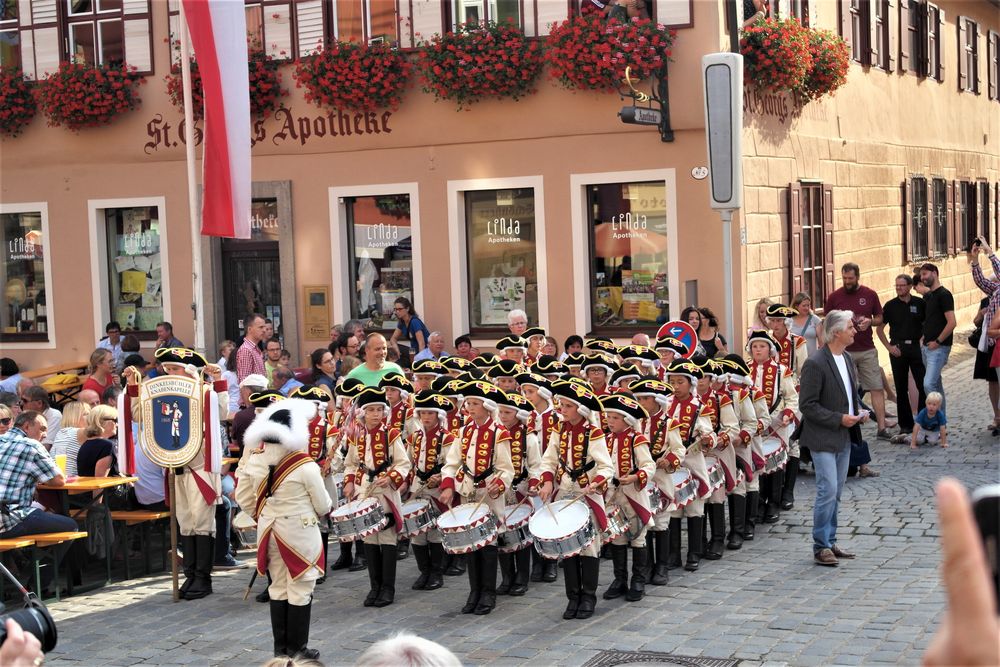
[230,460]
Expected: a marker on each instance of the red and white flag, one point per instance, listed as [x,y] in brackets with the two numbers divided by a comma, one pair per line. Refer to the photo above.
[219,36]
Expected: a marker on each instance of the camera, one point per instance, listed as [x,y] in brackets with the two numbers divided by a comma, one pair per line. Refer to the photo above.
[35,619]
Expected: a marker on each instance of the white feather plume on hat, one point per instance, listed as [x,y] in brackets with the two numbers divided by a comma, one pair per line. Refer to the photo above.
[284,423]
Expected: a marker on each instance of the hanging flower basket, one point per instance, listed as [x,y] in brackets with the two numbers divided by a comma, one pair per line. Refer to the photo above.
[265,86]
[591,53]
[478,61]
[831,58]
[80,95]
[349,75]
[776,54]
[17,102]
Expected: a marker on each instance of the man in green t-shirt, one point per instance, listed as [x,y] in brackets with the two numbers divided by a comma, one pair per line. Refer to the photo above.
[375,367]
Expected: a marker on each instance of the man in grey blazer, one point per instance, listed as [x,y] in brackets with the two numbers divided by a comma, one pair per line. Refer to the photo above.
[831,409]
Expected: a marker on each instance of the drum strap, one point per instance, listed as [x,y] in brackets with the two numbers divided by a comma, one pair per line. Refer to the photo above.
[424,476]
[520,478]
[658,438]
[690,439]
[577,473]
[479,479]
[375,472]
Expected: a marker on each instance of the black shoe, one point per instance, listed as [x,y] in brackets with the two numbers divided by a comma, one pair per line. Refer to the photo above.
[750,525]
[717,517]
[436,578]
[788,485]
[472,562]
[387,593]
[522,564]
[471,602]
[550,570]
[696,530]
[537,563]
[190,548]
[360,557]
[737,521]
[571,576]
[421,553]
[279,613]
[344,559]
[506,573]
[661,540]
[204,555]
[455,565]
[297,632]
[263,597]
[640,566]
[487,602]
[619,560]
[590,570]
[674,548]
[373,561]
[402,549]
[488,562]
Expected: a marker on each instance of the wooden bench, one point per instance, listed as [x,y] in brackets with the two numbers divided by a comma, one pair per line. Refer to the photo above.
[12,543]
[143,518]
[60,394]
[73,368]
[45,540]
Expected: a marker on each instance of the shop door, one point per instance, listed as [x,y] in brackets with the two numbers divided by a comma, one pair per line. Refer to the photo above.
[251,283]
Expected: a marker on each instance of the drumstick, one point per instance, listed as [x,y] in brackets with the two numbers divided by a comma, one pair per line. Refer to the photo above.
[573,502]
[526,499]
[549,507]
[480,503]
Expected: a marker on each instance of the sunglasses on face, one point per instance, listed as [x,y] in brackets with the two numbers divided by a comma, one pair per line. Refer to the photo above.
[6,421]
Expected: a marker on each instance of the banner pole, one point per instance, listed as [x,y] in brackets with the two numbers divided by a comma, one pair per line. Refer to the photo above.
[194,213]
[173,538]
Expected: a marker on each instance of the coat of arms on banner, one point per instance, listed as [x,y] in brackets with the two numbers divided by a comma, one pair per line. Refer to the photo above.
[172,419]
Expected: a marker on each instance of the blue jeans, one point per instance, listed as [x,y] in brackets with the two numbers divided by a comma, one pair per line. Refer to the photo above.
[39,522]
[934,361]
[831,474]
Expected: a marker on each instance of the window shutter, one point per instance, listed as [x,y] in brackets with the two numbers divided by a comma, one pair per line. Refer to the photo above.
[41,46]
[829,275]
[975,59]
[929,26]
[892,26]
[929,224]
[795,260]
[904,35]
[952,226]
[556,12]
[138,39]
[963,71]
[991,65]
[907,218]
[978,225]
[278,31]
[309,26]
[844,7]
[874,57]
[427,19]
[939,22]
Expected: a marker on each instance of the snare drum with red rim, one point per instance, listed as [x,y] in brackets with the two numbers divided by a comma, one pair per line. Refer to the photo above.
[418,517]
[658,501]
[562,529]
[685,489]
[775,455]
[467,527]
[716,476]
[358,519]
[516,534]
[617,523]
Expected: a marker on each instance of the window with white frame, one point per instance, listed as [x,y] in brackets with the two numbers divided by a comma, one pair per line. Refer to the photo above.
[474,11]
[24,315]
[135,273]
[10,37]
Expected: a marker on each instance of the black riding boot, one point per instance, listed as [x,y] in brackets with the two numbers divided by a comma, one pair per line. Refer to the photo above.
[522,565]
[402,549]
[421,553]
[298,632]
[506,573]
[360,557]
[590,574]
[651,557]
[344,559]
[279,626]
[265,596]
[326,547]
[717,517]
[204,556]
[737,519]
[640,566]
[674,553]
[473,562]
[772,502]
[571,573]
[696,528]
[788,488]
[753,502]
[487,580]
[461,562]
[387,593]
[536,565]
[662,540]
[188,546]
[436,578]
[373,560]
[619,560]
[765,485]
[550,570]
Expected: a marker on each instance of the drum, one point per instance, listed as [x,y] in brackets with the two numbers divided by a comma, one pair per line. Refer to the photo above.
[775,455]
[338,484]
[617,523]
[716,476]
[467,527]
[418,517]
[516,534]
[658,501]
[358,519]
[685,489]
[563,529]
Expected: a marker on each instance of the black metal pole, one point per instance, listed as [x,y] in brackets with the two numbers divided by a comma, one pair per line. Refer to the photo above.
[663,97]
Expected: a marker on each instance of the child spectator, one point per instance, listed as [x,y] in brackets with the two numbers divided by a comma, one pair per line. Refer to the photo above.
[931,424]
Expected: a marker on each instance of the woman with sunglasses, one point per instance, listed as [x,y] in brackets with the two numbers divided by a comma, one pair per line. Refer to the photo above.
[6,418]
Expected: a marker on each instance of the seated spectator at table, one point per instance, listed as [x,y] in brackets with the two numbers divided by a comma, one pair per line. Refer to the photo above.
[376,366]
[228,365]
[434,350]
[96,457]
[101,370]
[130,345]
[322,369]
[10,375]
[112,342]
[110,395]
[283,379]
[37,399]
[464,349]
[6,419]
[22,386]
[71,435]
[165,336]
[24,464]
[90,397]
[409,327]
[252,384]
[572,345]
[149,490]
[11,401]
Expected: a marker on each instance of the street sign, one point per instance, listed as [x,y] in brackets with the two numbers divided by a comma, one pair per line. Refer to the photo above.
[683,332]
[640,116]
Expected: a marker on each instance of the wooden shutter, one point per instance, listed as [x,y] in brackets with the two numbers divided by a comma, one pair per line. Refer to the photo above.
[426,21]
[138,34]
[795,260]
[829,276]
[929,225]
[844,7]
[892,28]
[991,64]
[938,74]
[41,42]
[874,57]
[904,35]
[907,217]
[963,70]
[309,35]
[979,226]
[975,58]
[278,31]
[549,13]
[949,207]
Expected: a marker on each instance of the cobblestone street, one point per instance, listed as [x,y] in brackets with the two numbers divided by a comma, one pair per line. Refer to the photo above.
[767,603]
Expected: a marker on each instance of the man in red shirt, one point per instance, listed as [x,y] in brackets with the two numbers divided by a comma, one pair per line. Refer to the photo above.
[249,358]
[864,303]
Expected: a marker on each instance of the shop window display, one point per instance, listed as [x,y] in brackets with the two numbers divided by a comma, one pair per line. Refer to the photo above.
[628,240]
[135,279]
[382,256]
[500,233]
[24,315]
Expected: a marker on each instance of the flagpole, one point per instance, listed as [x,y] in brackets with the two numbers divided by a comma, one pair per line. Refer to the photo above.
[196,290]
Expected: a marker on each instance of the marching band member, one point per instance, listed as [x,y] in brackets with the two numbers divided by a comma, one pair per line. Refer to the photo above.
[577,462]
[429,446]
[792,353]
[777,384]
[424,372]
[377,467]
[623,377]
[597,369]
[668,349]
[456,365]
[603,346]
[643,359]
[281,484]
[451,390]
[697,435]
[536,338]
[549,368]
[574,362]
[633,468]
[347,426]
[525,455]
[726,426]
[667,452]
[397,391]
[485,361]
[512,347]
[479,468]
[198,484]
[503,375]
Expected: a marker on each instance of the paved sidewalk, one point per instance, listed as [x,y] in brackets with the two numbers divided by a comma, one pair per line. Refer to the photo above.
[767,603]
